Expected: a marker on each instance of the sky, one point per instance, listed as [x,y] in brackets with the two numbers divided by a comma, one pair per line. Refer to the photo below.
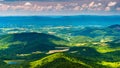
[59,7]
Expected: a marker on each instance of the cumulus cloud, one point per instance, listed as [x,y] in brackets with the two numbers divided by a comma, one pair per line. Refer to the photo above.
[28,4]
[4,7]
[84,6]
[112,3]
[59,7]
[99,4]
[91,4]
[107,9]
[77,8]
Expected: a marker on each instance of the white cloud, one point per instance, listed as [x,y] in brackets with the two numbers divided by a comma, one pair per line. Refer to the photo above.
[39,7]
[112,3]
[107,9]
[4,7]
[84,6]
[28,4]
[59,7]
[99,4]
[91,4]
[76,8]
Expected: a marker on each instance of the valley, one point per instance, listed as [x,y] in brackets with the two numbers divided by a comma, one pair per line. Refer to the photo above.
[55,46]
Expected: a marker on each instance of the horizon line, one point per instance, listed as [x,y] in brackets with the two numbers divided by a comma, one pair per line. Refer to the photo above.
[64,15]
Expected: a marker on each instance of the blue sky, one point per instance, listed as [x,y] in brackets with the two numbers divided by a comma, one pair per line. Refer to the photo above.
[59,7]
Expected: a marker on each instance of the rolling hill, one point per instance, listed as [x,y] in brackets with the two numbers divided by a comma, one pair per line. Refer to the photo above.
[58,60]
[22,43]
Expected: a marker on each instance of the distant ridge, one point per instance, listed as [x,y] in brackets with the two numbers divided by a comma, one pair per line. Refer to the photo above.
[37,21]
[116,27]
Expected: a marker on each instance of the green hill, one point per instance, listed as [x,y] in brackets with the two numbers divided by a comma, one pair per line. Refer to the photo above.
[23,43]
[58,60]
[67,60]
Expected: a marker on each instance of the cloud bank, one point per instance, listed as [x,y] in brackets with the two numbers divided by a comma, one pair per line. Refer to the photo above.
[35,7]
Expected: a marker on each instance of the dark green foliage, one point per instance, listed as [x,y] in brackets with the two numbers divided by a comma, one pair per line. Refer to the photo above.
[62,63]
[27,43]
[112,56]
